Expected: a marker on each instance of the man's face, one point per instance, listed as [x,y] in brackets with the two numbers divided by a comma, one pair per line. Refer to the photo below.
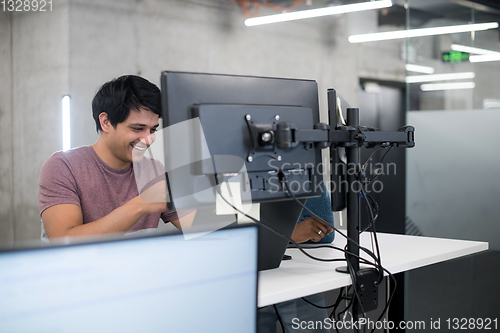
[131,138]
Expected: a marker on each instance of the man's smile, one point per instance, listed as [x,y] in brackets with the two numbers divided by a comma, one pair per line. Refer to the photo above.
[139,146]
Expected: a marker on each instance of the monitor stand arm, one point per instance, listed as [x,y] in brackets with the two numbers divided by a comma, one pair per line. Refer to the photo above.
[352,137]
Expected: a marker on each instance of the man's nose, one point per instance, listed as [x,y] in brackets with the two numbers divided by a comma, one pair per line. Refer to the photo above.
[149,139]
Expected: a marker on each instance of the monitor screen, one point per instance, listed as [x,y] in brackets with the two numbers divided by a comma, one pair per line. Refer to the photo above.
[222,120]
[160,283]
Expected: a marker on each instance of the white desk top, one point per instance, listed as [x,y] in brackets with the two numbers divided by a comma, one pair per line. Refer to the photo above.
[303,276]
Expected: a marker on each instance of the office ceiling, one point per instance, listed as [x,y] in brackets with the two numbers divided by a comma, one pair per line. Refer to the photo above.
[421,11]
[457,10]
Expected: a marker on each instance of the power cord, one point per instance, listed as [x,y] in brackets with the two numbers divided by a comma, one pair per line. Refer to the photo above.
[288,192]
[373,235]
[279,318]
[376,264]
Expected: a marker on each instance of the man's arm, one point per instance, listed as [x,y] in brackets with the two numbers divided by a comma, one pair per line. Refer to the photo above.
[67,219]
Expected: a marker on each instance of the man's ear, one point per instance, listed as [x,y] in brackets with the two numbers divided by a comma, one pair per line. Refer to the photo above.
[104,121]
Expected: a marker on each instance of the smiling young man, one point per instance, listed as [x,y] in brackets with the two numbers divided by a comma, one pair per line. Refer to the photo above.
[93,190]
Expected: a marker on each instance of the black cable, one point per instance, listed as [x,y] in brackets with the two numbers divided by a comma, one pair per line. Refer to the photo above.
[337,302]
[389,273]
[350,269]
[362,260]
[374,203]
[353,278]
[373,218]
[352,273]
[381,160]
[375,211]
[300,247]
[374,233]
[348,306]
[387,152]
[379,266]
[349,265]
[324,307]
[369,158]
[377,263]
[289,239]
[371,254]
[390,298]
[279,318]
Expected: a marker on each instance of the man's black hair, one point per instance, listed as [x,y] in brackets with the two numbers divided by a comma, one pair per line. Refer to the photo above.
[119,96]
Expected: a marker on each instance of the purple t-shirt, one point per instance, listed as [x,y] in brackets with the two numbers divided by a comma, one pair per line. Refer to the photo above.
[80,177]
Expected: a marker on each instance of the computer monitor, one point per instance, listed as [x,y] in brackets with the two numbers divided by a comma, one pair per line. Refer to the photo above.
[157,283]
[232,111]
[227,127]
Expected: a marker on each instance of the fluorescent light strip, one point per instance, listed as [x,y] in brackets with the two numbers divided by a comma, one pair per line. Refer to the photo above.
[66,122]
[439,77]
[469,49]
[419,69]
[378,36]
[447,86]
[485,57]
[303,14]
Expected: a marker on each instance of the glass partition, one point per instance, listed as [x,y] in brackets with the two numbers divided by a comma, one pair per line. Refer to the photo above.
[463,78]
[452,184]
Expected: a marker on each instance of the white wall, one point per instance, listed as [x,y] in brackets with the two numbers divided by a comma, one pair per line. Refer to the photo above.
[452,174]
[39,67]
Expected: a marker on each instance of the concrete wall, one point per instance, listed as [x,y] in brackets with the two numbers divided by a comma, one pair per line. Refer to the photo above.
[209,36]
[6,133]
[81,44]
[39,78]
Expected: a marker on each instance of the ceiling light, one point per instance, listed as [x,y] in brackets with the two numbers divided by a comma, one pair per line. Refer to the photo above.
[356,7]
[447,86]
[378,36]
[439,77]
[469,49]
[485,57]
[419,68]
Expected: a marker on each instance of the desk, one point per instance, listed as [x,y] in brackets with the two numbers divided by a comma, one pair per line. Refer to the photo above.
[303,276]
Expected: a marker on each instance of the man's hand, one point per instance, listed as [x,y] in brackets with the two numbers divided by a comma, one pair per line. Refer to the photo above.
[309,229]
[155,193]
[154,199]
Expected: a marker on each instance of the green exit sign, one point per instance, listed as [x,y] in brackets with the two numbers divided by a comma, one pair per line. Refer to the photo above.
[455,56]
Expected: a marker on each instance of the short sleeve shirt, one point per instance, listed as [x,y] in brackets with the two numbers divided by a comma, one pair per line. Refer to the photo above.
[81,178]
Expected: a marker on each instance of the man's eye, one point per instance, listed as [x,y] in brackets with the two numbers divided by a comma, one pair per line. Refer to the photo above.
[136,129]
[154,130]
